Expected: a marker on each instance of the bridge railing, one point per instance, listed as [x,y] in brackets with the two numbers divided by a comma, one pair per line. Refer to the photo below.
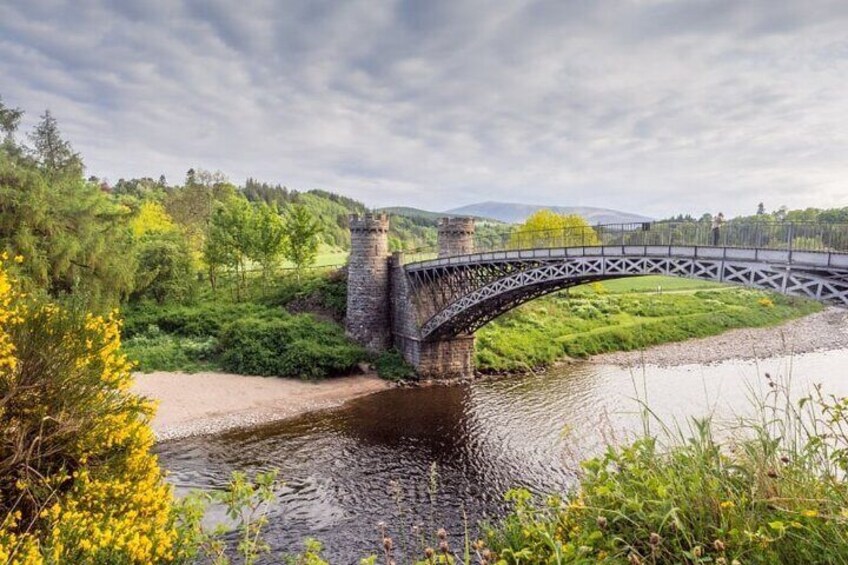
[796,236]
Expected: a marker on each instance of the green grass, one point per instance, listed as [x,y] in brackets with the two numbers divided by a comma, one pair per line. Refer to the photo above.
[592,320]
[652,282]
[763,490]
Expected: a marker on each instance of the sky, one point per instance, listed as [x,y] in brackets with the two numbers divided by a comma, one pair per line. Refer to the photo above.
[651,106]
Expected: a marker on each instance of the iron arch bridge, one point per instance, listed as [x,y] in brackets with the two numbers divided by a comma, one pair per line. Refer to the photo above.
[454,296]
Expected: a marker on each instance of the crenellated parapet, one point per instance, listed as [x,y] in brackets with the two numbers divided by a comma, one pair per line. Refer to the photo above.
[456,236]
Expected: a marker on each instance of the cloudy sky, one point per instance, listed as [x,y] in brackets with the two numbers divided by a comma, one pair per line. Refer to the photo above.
[653,106]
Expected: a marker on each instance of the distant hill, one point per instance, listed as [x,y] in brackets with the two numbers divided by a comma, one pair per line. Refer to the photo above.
[410,212]
[514,213]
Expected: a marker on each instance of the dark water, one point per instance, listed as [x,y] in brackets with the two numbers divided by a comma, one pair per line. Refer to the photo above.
[373,460]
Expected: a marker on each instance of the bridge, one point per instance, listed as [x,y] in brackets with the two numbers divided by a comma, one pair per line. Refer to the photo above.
[427,304]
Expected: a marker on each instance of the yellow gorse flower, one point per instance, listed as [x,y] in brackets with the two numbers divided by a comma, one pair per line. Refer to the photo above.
[115,507]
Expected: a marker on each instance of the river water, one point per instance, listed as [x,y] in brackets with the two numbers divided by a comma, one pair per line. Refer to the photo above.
[427,457]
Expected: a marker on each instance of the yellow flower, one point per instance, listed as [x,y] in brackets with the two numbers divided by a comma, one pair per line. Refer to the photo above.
[19,258]
[728,504]
[810,513]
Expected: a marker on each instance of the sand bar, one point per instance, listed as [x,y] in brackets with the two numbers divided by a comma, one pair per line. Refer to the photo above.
[207,403]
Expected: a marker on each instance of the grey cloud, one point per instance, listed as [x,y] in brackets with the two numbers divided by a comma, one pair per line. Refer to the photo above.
[650,105]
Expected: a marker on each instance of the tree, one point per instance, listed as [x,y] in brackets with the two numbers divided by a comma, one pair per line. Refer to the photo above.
[165,267]
[269,239]
[301,230]
[54,154]
[230,238]
[9,120]
[549,229]
[761,209]
[151,218]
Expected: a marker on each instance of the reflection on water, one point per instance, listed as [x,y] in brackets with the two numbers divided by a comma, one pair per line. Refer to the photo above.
[370,461]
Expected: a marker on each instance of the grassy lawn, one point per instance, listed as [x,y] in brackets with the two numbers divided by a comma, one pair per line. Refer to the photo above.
[623,315]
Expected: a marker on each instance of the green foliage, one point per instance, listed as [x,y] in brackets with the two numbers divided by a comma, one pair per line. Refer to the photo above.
[54,155]
[301,231]
[293,346]
[73,237]
[268,238]
[549,229]
[774,493]
[205,319]
[165,268]
[583,322]
[392,367]
[157,351]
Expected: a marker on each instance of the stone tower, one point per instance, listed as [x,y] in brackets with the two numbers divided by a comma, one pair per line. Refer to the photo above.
[368,282]
[456,236]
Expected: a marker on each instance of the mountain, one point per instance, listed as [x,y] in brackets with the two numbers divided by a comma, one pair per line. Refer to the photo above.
[513,213]
[410,212]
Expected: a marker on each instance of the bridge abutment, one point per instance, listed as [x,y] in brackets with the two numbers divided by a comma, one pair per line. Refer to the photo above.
[433,359]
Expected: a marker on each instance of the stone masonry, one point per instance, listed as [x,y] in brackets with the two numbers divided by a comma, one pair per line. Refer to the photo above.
[367,320]
[456,236]
[380,310]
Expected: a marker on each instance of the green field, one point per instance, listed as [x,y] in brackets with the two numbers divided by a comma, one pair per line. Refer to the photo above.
[623,315]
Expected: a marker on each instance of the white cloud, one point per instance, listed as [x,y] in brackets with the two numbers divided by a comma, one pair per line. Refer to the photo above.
[656,107]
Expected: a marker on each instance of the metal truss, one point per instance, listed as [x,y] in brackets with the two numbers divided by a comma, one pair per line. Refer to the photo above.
[452,299]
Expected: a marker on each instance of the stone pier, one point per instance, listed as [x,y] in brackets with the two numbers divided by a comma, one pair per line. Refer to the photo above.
[380,311]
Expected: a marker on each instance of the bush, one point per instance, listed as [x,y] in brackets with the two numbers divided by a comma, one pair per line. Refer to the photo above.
[157,351]
[392,367]
[291,346]
[78,483]
[774,494]
[201,320]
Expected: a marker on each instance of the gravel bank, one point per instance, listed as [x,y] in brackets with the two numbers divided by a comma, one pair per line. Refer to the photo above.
[208,403]
[821,331]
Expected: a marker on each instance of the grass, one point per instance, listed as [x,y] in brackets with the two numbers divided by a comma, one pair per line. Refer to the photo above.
[773,492]
[622,316]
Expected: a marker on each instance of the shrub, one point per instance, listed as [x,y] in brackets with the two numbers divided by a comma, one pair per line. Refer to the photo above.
[392,367]
[289,346]
[157,351]
[201,320]
[78,483]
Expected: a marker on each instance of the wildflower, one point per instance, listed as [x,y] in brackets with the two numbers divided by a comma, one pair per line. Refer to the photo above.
[19,258]
[428,553]
[718,545]
[633,559]
[810,513]
[602,522]
[727,504]
[443,546]
[654,538]
[442,533]
[697,551]
[721,561]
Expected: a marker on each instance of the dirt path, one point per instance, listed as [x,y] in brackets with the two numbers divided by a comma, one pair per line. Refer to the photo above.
[205,403]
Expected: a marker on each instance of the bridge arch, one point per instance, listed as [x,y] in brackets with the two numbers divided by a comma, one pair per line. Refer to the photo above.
[481,299]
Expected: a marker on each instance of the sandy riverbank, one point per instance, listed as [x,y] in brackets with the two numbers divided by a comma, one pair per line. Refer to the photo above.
[205,403]
[826,330]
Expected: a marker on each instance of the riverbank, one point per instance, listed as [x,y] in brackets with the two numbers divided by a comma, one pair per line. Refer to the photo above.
[825,330]
[209,402]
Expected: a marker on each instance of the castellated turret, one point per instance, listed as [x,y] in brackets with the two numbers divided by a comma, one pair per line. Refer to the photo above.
[456,236]
[368,282]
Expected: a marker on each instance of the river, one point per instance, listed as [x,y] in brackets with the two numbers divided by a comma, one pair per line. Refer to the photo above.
[428,456]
